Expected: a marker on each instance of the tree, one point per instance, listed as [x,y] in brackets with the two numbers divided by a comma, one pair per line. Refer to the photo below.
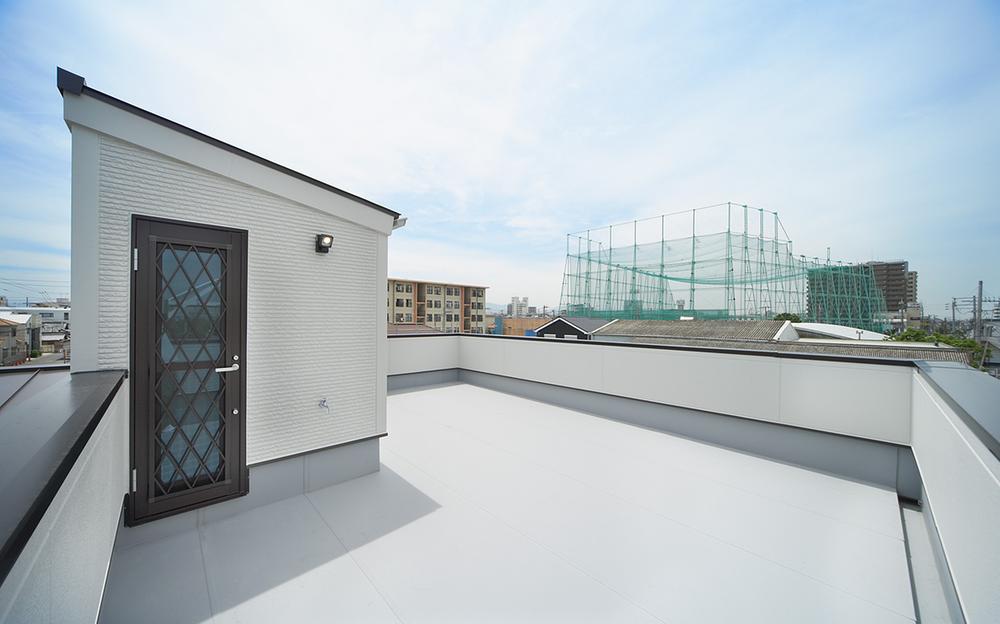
[918,335]
[788,316]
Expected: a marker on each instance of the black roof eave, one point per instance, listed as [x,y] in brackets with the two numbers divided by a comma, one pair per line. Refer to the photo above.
[77,85]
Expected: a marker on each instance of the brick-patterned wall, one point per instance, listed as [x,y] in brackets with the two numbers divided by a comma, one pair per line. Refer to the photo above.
[311,317]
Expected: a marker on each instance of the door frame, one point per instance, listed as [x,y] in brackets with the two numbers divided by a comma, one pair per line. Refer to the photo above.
[136,510]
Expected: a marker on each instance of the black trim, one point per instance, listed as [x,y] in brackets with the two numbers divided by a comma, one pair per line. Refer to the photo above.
[642,345]
[67,81]
[142,508]
[317,450]
[92,410]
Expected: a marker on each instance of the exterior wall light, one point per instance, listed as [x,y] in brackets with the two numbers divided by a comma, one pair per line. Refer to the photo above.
[323,243]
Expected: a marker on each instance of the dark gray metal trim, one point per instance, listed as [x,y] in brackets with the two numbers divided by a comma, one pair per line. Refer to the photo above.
[68,81]
[22,512]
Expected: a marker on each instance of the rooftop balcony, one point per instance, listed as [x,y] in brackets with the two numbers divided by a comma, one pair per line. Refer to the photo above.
[592,482]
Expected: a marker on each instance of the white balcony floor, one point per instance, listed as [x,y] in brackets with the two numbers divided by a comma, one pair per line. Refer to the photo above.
[495,508]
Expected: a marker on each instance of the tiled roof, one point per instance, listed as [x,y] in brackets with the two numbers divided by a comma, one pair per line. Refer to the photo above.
[585,323]
[848,348]
[743,330]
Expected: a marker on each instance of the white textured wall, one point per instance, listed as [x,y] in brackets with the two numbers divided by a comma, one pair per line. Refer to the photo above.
[864,400]
[312,318]
[962,486]
[59,576]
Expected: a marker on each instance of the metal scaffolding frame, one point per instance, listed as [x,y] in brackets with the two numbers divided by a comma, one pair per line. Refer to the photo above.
[734,262]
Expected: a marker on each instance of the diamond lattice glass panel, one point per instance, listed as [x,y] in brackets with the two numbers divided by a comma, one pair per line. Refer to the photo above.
[190,324]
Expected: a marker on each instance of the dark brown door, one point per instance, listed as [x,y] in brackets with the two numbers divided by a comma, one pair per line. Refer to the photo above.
[188,367]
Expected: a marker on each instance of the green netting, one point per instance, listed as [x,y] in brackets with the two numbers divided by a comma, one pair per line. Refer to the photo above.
[748,270]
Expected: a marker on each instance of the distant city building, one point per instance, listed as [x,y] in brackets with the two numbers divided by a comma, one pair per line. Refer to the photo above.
[491,322]
[32,323]
[914,316]
[49,329]
[517,307]
[50,317]
[449,308]
[3,301]
[894,280]
[520,326]
[13,341]
[578,328]
[532,311]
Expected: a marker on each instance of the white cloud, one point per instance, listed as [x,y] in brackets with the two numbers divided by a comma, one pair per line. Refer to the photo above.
[499,128]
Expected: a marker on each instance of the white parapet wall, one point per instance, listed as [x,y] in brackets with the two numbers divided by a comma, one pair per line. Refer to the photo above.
[870,401]
[887,402]
[60,574]
[961,481]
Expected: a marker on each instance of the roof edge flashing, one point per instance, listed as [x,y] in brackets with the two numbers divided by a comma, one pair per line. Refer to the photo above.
[68,81]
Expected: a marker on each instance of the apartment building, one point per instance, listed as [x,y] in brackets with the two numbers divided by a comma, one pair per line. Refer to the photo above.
[893,279]
[449,308]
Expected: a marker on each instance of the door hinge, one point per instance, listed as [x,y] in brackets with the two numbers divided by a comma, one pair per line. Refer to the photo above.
[133,479]
[135,258]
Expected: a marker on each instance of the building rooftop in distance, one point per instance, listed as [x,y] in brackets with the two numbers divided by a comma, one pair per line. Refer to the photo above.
[742,330]
[584,323]
[849,348]
[828,330]
[438,282]
[780,336]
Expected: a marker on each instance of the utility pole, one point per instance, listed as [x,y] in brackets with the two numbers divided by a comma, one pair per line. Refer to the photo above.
[975,318]
[978,312]
[954,327]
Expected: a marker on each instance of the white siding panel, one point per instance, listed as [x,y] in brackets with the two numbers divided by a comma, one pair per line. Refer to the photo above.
[961,485]
[312,320]
[858,399]
[715,382]
[426,353]
[865,400]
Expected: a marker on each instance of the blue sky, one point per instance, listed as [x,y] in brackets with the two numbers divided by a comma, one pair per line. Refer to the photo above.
[497,128]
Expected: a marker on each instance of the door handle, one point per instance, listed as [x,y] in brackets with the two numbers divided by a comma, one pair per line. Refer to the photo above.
[228,369]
